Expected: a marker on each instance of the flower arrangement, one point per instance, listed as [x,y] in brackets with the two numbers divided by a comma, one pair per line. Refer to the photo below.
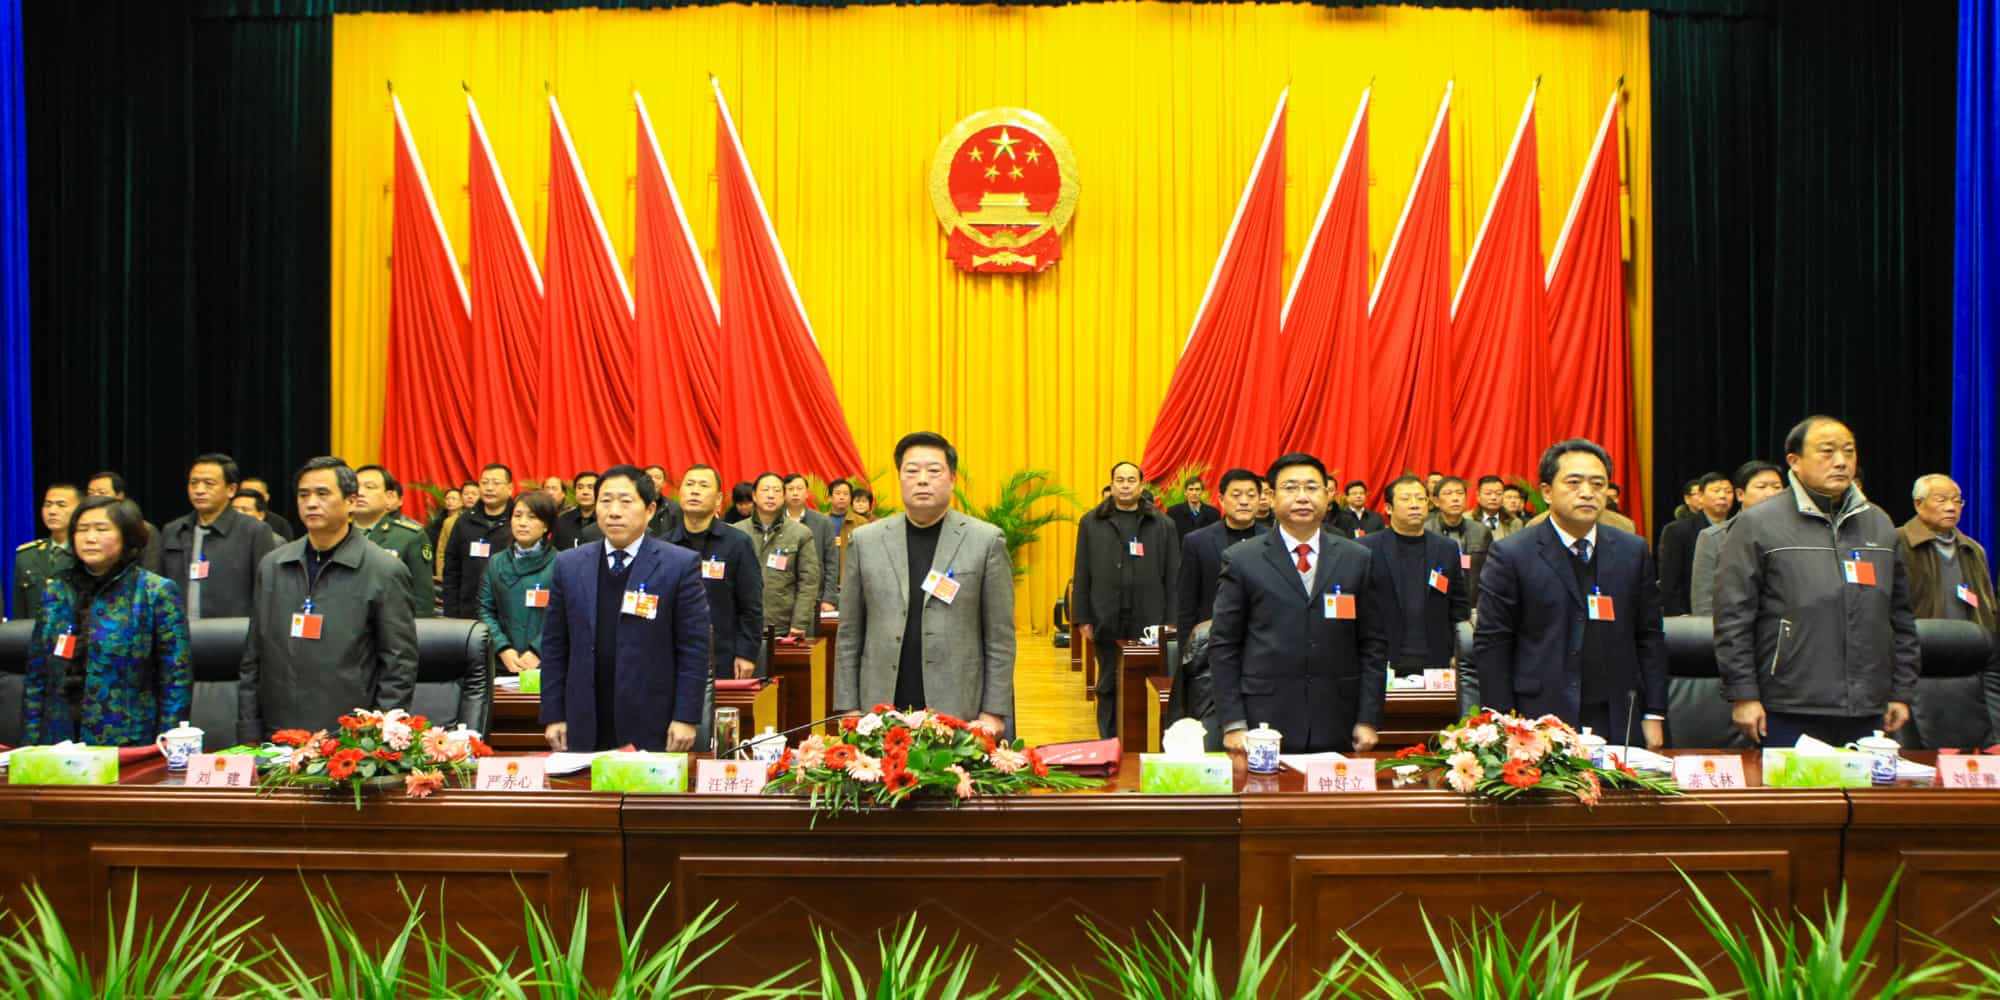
[1503,756]
[374,745]
[885,757]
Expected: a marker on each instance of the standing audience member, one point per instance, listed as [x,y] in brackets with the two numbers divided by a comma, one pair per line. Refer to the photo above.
[331,630]
[1755,481]
[378,512]
[571,523]
[729,574]
[514,594]
[1420,589]
[1353,519]
[111,484]
[798,490]
[1193,514]
[742,503]
[479,534]
[1471,537]
[109,664]
[1127,570]
[212,553]
[790,559]
[1677,541]
[1492,513]
[272,519]
[1813,629]
[42,560]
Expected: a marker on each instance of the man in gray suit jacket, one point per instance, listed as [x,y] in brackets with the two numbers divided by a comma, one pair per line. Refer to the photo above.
[797,491]
[927,602]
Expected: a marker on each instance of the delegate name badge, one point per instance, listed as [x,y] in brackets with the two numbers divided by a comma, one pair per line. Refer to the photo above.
[1601,608]
[1135,547]
[778,561]
[941,586]
[199,571]
[306,625]
[640,603]
[1965,594]
[1465,560]
[711,568]
[1858,571]
[1439,582]
[480,549]
[538,597]
[66,645]
[1339,606]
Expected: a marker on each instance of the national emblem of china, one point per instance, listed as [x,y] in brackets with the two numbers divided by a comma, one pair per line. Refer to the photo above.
[1004,183]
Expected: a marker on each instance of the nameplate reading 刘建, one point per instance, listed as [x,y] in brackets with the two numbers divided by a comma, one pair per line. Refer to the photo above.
[215,770]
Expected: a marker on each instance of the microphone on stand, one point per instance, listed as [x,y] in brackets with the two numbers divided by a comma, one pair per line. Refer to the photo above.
[738,748]
[1631,702]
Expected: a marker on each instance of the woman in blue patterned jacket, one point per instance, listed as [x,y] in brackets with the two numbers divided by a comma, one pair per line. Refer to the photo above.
[109,662]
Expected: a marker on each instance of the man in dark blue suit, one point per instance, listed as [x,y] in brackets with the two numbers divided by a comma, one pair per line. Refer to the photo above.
[1418,583]
[1296,640]
[1569,611]
[625,646]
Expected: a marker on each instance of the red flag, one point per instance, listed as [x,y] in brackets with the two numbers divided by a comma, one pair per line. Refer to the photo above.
[1409,324]
[587,314]
[1500,327]
[680,401]
[1325,320]
[426,418]
[506,314]
[789,419]
[1588,341]
[1212,414]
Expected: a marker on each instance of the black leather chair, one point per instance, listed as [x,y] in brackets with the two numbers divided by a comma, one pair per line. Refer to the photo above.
[1954,694]
[216,647]
[454,673]
[14,638]
[1697,715]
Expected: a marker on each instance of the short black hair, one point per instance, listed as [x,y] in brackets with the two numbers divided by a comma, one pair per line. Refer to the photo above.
[117,481]
[474,483]
[836,484]
[1710,478]
[1483,480]
[710,469]
[796,477]
[257,498]
[1691,486]
[1290,459]
[740,493]
[231,473]
[1389,491]
[649,491]
[1115,466]
[343,477]
[1752,469]
[389,483]
[1515,488]
[1552,458]
[1448,480]
[863,492]
[540,504]
[1192,481]
[62,484]
[502,466]
[1795,440]
[581,476]
[1351,484]
[664,471]
[927,439]
[1613,488]
[125,516]
[1238,475]
[761,476]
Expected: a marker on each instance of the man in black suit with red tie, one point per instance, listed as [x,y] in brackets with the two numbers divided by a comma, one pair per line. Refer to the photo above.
[1296,640]
[1569,612]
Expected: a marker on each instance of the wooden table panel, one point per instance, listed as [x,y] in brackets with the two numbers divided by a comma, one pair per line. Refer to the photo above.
[1947,843]
[516,725]
[803,668]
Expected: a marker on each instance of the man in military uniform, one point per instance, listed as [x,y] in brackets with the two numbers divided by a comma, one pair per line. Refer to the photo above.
[35,562]
[378,512]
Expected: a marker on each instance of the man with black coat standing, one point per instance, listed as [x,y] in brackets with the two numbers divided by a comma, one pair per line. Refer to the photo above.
[1419,586]
[1192,515]
[479,533]
[1201,571]
[729,574]
[213,552]
[1127,567]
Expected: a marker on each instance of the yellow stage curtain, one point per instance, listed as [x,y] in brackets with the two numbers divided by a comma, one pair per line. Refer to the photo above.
[841,110]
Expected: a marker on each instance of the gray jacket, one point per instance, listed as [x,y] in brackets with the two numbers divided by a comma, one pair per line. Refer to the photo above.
[365,657]
[968,644]
[1707,556]
[1790,631]
[829,555]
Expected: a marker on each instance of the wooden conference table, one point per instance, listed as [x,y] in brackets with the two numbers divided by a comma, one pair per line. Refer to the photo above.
[1002,871]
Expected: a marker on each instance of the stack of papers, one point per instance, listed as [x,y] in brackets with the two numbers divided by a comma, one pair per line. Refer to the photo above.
[570,763]
[1300,761]
[511,682]
[1642,759]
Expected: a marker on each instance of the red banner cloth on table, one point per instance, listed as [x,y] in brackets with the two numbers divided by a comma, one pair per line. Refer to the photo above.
[1409,322]
[770,362]
[587,316]
[426,417]
[677,317]
[507,340]
[1589,344]
[1213,414]
[1499,330]
[1325,320]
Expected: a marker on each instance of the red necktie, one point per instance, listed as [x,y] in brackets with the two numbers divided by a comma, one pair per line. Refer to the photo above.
[1305,565]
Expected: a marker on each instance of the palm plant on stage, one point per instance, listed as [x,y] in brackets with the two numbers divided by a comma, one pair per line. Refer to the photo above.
[1163,965]
[1013,510]
[196,952]
[1481,962]
[909,971]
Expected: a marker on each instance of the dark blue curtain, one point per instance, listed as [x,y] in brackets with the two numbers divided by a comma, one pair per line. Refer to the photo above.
[17,438]
[1976,292]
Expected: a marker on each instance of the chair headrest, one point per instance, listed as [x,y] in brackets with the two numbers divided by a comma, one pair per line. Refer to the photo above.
[216,646]
[14,638]
[448,647]
[1952,648]
[1690,646]
[1194,647]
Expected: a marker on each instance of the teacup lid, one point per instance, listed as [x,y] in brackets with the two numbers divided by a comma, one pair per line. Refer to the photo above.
[184,729]
[1589,737]
[1265,731]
